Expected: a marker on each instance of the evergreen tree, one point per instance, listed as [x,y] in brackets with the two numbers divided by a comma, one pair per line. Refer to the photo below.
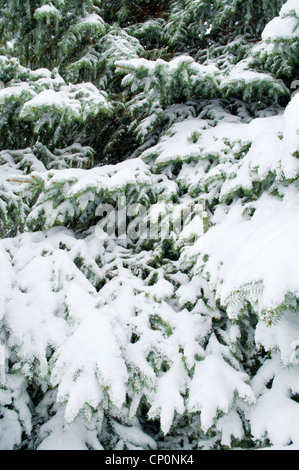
[149,224]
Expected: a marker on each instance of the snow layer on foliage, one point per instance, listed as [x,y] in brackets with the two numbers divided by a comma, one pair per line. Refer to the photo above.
[47,100]
[248,252]
[215,384]
[133,437]
[55,435]
[277,410]
[285,25]
[16,92]
[172,66]
[286,28]
[242,249]
[79,190]
[73,102]
[291,136]
[283,335]
[10,431]
[110,177]
[289,7]
[178,142]
[92,19]
[46,11]
[79,341]
[6,280]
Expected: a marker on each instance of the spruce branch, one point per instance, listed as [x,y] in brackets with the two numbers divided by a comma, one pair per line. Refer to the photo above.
[142,12]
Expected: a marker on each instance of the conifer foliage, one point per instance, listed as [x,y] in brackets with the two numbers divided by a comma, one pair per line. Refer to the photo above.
[177,115]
